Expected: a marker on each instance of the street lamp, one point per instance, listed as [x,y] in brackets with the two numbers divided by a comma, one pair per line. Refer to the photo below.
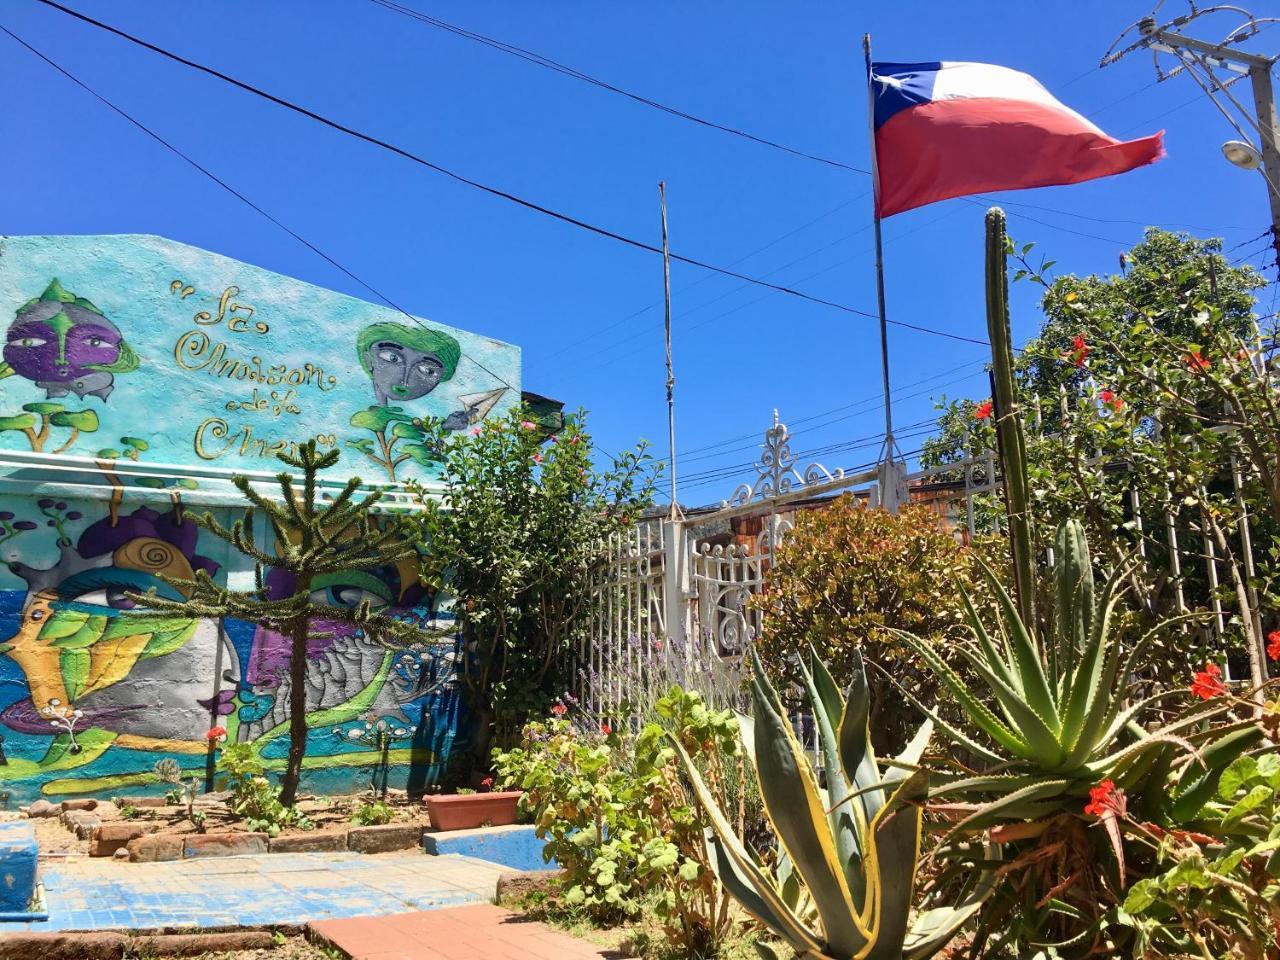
[1243,154]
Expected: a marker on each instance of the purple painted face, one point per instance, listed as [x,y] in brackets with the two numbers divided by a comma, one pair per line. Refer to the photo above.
[55,343]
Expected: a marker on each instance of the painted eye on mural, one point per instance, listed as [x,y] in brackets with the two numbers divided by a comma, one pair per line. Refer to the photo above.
[95,341]
[28,342]
[351,589]
[107,588]
[113,597]
[389,356]
[427,369]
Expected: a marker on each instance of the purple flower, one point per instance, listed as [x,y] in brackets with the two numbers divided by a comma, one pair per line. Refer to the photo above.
[44,504]
[24,525]
[60,505]
[74,515]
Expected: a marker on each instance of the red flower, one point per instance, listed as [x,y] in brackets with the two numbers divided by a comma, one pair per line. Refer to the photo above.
[559,709]
[1105,799]
[1273,644]
[1079,351]
[1111,400]
[216,733]
[1196,362]
[537,458]
[1208,682]
[487,782]
[983,410]
[606,729]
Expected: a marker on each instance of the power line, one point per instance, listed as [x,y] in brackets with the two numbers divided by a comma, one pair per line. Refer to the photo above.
[704,279]
[486,188]
[542,61]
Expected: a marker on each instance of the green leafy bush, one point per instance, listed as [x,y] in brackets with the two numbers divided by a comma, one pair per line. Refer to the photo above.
[614,813]
[844,579]
[1218,890]
[520,522]
[373,813]
[252,794]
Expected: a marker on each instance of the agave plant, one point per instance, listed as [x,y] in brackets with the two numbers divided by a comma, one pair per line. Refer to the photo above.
[1055,711]
[848,853]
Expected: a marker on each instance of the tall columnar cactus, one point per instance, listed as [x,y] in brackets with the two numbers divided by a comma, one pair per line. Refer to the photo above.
[1009,423]
[848,853]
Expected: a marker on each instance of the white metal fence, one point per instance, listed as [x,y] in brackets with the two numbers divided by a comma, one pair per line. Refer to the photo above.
[671,598]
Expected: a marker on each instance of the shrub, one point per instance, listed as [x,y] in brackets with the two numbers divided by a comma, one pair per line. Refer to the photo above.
[843,579]
[520,522]
[252,795]
[615,815]
[1217,892]
[373,813]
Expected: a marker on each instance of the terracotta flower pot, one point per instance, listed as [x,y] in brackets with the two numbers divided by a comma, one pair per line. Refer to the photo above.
[463,811]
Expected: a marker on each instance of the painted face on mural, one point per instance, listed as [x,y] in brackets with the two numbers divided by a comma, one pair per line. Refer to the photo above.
[64,344]
[83,645]
[404,362]
[400,373]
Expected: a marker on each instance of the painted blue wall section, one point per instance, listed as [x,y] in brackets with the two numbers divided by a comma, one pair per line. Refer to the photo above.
[18,854]
[152,363]
[516,846]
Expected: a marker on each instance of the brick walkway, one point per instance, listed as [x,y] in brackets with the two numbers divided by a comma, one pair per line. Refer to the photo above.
[100,894]
[477,932]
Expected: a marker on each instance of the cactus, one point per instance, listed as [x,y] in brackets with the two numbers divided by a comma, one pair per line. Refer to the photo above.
[1009,426]
[848,854]
[1062,720]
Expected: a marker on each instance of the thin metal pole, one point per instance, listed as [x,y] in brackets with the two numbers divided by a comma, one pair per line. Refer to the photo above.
[671,377]
[889,444]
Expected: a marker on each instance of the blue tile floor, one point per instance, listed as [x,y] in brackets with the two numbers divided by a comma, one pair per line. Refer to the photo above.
[99,894]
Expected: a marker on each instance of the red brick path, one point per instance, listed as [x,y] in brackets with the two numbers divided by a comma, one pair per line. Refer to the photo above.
[476,932]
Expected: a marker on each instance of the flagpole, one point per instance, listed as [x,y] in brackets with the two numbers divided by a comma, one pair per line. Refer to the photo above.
[671,376]
[889,444]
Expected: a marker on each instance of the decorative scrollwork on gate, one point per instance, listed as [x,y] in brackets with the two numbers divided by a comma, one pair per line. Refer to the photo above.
[776,473]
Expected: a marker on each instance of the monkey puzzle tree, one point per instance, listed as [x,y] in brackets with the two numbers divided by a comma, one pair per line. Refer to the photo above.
[311,538]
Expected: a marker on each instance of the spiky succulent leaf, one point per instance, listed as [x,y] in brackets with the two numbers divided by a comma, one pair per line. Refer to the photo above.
[795,808]
[827,717]
[856,753]
[1027,658]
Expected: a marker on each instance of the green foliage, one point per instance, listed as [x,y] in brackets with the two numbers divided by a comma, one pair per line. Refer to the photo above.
[520,522]
[844,579]
[252,795]
[847,851]
[1128,387]
[312,536]
[1217,892]
[615,814]
[373,813]
[1050,718]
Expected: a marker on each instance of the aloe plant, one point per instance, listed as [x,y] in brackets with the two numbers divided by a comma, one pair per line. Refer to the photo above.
[1055,713]
[848,853]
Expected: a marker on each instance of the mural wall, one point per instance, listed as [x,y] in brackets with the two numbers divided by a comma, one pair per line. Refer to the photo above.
[124,352]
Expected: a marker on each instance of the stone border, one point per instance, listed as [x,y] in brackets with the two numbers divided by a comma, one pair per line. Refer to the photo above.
[104,945]
[147,847]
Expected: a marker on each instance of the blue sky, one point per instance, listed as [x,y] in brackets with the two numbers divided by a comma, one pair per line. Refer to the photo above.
[587,311]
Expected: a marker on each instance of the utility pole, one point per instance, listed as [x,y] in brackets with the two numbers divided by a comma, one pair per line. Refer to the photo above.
[1200,59]
[671,376]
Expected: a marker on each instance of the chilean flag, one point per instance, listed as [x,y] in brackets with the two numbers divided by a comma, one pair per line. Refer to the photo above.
[945,130]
